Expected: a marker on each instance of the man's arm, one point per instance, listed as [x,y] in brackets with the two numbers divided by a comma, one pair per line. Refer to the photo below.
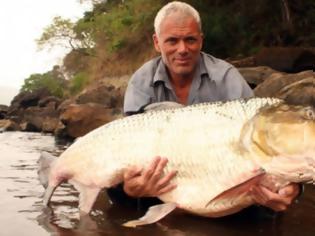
[140,92]
[135,99]
[235,86]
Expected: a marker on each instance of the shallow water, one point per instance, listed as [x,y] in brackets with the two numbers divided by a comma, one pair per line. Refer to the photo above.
[22,213]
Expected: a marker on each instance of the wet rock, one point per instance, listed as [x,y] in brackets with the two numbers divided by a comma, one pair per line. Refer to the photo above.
[35,111]
[41,119]
[29,127]
[23,101]
[9,125]
[296,88]
[50,124]
[79,119]
[3,111]
[61,132]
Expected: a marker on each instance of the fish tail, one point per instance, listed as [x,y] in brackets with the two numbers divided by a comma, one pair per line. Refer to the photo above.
[45,163]
[48,193]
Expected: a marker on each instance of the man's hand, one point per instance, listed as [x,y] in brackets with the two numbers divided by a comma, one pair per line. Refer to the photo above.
[276,201]
[148,182]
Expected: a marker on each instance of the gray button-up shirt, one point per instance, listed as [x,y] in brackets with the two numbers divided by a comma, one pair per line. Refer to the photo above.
[214,80]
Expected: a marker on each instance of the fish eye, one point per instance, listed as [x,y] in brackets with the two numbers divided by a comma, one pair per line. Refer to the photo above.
[309,113]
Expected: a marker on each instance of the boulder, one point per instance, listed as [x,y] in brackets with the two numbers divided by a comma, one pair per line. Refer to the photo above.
[106,95]
[23,101]
[29,99]
[35,111]
[283,59]
[296,88]
[256,75]
[3,111]
[50,124]
[40,119]
[79,119]
[8,125]
[243,62]
[29,127]
[287,59]
[50,101]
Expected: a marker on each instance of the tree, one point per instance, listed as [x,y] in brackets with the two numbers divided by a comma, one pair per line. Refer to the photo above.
[53,81]
[62,32]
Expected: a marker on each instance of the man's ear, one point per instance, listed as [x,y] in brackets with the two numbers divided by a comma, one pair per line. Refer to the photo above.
[156,42]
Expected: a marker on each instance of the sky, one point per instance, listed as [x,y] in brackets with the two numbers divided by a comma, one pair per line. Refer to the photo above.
[21,23]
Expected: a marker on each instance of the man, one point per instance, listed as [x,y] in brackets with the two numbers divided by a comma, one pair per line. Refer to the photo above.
[186,75]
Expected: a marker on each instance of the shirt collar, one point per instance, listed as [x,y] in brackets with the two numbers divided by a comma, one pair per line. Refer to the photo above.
[202,67]
[161,73]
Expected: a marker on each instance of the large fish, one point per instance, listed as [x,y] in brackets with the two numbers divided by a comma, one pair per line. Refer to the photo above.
[219,150]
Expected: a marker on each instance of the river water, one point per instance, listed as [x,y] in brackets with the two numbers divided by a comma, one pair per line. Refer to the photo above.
[22,212]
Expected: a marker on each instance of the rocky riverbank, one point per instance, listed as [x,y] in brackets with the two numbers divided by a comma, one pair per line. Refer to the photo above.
[101,102]
[38,111]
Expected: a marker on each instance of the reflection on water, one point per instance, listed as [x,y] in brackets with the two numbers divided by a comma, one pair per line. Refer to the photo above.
[22,213]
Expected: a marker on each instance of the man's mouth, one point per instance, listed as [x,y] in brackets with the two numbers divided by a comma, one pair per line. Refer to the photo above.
[182,60]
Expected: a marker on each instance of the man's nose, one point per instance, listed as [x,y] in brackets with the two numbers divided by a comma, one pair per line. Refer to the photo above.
[182,47]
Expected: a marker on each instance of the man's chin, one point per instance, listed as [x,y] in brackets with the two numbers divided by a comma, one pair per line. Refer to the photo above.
[183,71]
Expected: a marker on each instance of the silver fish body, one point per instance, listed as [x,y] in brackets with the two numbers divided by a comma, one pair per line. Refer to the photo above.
[210,146]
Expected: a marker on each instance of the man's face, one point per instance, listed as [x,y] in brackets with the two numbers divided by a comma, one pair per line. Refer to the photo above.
[179,43]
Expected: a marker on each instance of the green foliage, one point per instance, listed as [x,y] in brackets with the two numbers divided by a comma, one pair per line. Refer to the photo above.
[119,23]
[78,82]
[231,27]
[47,80]
[241,27]
[116,34]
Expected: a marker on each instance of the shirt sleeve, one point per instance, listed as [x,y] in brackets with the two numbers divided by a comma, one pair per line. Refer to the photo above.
[235,85]
[136,97]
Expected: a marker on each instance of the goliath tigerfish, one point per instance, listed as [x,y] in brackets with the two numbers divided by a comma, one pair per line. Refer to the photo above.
[219,150]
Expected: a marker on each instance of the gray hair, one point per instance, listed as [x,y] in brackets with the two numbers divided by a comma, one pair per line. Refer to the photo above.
[172,7]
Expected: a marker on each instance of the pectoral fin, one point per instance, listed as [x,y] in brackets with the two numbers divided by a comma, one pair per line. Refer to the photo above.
[87,197]
[154,214]
[234,199]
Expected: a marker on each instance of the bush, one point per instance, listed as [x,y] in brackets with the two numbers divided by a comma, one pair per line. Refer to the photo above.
[47,80]
[78,82]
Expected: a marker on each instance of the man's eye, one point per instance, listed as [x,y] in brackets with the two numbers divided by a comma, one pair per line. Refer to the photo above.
[171,41]
[191,40]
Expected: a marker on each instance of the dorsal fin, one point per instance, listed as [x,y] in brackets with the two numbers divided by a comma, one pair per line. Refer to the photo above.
[162,106]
